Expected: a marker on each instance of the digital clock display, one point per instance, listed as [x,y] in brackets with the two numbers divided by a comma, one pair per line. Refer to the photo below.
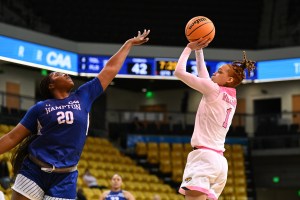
[165,67]
[149,68]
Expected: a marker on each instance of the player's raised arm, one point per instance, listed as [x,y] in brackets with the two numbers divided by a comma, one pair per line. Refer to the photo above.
[180,70]
[115,63]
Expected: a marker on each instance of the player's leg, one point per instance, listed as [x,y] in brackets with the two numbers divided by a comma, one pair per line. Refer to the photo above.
[196,183]
[194,195]
[26,188]
[28,183]
[17,196]
[200,173]
[220,182]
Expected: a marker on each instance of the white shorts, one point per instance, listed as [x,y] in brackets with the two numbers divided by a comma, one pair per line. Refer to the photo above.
[30,189]
[2,196]
[205,171]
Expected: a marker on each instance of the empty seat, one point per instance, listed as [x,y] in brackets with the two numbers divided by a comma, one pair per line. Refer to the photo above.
[237,156]
[238,164]
[228,190]
[240,190]
[237,148]
[240,181]
[177,175]
[187,147]
[165,166]
[164,146]
[177,147]
[152,146]
[239,173]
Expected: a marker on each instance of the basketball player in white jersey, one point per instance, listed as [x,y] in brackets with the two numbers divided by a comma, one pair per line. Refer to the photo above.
[205,173]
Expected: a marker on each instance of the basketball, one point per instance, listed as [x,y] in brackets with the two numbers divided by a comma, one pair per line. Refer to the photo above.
[199,27]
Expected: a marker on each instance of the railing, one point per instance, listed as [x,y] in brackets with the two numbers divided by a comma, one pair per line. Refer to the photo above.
[267,131]
[274,130]
[13,107]
[20,102]
[252,123]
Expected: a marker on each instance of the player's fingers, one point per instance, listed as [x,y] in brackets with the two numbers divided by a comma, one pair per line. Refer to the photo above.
[146,32]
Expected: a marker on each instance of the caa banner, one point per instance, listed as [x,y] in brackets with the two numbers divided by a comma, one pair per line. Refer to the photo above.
[39,56]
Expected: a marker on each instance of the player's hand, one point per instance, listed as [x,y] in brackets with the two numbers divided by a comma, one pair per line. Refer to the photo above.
[198,44]
[140,38]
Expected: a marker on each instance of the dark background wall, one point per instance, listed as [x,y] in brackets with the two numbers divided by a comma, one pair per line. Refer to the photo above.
[253,24]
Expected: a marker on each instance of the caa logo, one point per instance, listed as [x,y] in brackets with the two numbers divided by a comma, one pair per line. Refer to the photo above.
[58,59]
[73,102]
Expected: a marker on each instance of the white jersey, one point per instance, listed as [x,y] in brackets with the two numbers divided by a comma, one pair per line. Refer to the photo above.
[217,106]
[213,119]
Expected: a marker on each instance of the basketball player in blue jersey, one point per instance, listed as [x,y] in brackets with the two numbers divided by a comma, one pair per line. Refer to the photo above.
[116,193]
[53,132]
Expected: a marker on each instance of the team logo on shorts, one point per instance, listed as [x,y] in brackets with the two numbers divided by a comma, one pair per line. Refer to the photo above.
[188,179]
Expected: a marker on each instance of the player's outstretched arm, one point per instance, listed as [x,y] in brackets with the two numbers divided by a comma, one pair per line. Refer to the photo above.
[13,138]
[115,63]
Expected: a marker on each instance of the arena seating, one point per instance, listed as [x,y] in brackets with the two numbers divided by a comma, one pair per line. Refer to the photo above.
[171,159]
[104,160]
[4,128]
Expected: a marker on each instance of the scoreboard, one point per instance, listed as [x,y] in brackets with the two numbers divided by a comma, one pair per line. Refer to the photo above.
[132,67]
[148,68]
[138,66]
[49,58]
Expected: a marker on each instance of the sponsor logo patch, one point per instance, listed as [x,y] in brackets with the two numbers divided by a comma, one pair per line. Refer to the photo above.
[188,179]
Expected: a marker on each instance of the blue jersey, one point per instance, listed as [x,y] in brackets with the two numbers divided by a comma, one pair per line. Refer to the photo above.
[119,195]
[62,125]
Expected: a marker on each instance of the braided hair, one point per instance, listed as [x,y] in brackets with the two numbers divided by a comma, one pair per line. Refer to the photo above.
[239,67]
[21,151]
[44,87]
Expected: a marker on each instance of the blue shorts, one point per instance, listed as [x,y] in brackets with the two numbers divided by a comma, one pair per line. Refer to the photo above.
[34,183]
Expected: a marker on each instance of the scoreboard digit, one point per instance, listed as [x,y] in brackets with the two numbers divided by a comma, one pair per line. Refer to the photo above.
[138,66]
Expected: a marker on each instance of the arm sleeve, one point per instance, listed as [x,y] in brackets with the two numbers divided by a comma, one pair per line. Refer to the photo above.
[204,85]
[90,90]
[201,66]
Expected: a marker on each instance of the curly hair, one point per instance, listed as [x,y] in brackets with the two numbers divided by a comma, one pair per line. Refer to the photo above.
[238,72]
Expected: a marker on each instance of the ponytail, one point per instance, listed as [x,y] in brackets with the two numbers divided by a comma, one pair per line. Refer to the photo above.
[239,69]
[21,153]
